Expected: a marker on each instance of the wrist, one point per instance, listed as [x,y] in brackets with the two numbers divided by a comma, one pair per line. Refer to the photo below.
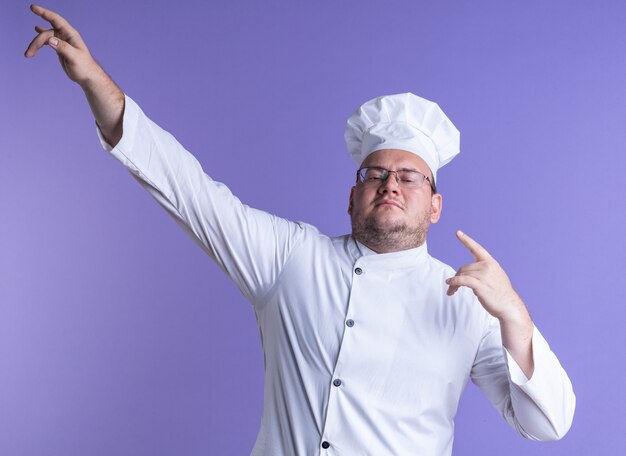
[95,79]
[516,318]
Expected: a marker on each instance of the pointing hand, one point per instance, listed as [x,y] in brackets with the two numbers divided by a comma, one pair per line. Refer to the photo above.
[487,280]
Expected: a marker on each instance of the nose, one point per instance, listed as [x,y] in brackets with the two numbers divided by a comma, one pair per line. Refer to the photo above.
[391,184]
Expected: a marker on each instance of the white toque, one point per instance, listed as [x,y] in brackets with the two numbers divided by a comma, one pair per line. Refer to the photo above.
[403,121]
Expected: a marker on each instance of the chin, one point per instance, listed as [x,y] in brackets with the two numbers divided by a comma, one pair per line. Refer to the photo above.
[389,224]
[389,219]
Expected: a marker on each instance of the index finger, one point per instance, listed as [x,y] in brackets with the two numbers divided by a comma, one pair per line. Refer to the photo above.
[56,20]
[477,250]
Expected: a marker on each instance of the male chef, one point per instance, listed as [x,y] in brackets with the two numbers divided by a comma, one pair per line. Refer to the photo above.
[368,340]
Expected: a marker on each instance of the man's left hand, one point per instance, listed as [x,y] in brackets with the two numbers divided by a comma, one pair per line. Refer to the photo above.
[487,280]
[493,289]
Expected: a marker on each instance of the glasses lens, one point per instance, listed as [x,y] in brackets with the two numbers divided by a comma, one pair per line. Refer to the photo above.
[371,175]
[411,178]
[405,177]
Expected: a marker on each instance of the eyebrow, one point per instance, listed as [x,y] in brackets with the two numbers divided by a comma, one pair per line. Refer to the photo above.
[399,169]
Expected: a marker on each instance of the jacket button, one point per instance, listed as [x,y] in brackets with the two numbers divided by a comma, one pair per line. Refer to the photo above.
[358,271]
[325,444]
[337,382]
[350,323]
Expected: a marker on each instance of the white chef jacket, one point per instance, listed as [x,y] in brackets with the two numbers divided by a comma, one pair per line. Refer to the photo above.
[365,354]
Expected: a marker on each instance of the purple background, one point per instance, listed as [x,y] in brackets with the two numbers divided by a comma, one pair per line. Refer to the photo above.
[118,336]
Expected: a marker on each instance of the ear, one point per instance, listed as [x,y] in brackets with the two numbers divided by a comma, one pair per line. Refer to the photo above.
[350,203]
[436,205]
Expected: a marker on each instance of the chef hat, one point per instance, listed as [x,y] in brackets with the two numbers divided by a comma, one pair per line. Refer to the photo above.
[403,121]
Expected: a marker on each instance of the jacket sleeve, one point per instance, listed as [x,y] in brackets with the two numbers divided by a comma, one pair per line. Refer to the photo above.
[249,245]
[541,408]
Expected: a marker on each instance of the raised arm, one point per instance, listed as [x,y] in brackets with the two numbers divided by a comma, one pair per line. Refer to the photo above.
[105,98]
[251,246]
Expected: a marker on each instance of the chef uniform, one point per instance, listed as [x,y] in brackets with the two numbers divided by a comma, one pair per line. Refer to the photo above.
[365,354]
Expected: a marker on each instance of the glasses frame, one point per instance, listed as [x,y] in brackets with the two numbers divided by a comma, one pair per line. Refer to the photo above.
[388,172]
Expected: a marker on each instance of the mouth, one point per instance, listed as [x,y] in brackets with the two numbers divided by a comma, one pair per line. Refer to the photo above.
[388,202]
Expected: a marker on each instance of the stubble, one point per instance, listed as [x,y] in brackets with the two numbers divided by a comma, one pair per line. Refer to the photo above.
[383,236]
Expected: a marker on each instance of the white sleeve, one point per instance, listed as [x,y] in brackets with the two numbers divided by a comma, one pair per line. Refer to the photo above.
[541,408]
[249,245]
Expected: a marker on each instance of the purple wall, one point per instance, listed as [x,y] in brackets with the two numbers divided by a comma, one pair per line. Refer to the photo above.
[118,336]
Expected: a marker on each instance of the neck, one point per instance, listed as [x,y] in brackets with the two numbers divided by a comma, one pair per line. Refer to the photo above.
[389,241]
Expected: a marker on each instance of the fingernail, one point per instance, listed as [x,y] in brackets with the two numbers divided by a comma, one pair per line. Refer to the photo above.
[53,41]
[460,232]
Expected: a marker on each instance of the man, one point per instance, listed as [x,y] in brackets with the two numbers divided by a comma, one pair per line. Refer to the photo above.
[368,341]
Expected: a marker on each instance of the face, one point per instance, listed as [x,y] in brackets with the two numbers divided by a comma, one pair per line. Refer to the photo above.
[388,217]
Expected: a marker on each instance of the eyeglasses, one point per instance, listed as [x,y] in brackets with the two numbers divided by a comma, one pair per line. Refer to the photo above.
[408,178]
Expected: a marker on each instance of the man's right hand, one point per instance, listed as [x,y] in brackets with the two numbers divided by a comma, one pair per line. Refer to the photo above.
[73,54]
[105,98]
